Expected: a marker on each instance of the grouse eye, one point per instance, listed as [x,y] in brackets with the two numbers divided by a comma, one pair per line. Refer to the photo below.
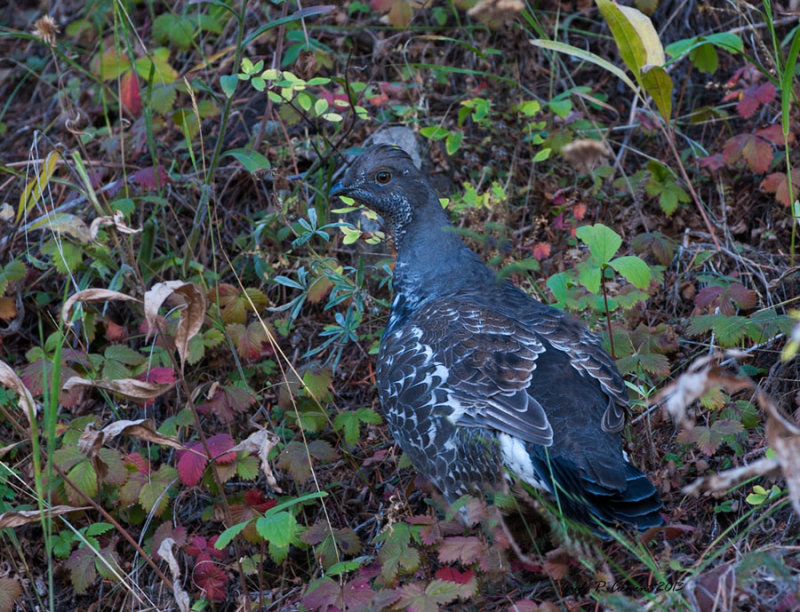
[383,176]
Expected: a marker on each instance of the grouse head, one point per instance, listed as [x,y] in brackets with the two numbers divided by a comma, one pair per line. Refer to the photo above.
[385,179]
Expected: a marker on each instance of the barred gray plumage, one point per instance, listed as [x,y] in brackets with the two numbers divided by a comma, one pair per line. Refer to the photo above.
[478,379]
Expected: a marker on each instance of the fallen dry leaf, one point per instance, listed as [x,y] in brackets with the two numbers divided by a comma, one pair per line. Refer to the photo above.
[700,376]
[17,518]
[129,387]
[784,438]
[9,378]
[261,442]
[585,154]
[165,552]
[191,317]
[118,221]
[91,296]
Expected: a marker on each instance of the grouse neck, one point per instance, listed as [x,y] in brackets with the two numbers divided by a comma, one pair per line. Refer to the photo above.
[433,261]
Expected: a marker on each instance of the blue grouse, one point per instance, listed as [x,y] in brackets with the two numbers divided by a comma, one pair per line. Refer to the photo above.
[478,379]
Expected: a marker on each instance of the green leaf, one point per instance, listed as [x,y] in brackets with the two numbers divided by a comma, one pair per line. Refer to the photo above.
[453,142]
[253,161]
[347,423]
[96,529]
[557,283]
[369,416]
[529,108]
[278,529]
[228,83]
[634,269]
[84,477]
[587,56]
[658,84]
[226,537]
[589,276]
[636,38]
[434,132]
[124,354]
[787,83]
[562,107]
[602,241]
[705,58]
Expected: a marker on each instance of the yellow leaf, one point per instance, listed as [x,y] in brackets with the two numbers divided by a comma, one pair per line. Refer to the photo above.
[33,190]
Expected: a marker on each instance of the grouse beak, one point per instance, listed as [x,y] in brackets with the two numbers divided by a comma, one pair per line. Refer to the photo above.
[337,188]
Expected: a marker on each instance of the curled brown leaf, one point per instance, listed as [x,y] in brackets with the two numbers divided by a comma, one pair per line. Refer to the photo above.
[91,296]
[129,387]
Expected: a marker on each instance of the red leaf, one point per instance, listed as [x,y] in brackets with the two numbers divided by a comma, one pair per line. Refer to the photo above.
[778,183]
[712,162]
[707,295]
[158,375]
[325,596]
[774,134]
[195,546]
[191,465]
[753,97]
[129,93]
[212,579]
[227,401]
[460,548]
[541,250]
[212,549]
[579,212]
[146,177]
[218,445]
[556,564]
[258,501]
[141,464]
[757,152]
[114,332]
[453,575]
[381,6]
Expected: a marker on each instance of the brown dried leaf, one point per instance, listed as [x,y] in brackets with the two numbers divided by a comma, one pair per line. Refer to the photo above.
[144,429]
[700,376]
[23,517]
[181,596]
[784,438]
[496,13]
[92,296]
[718,484]
[118,221]
[129,387]
[261,443]
[10,590]
[9,378]
[8,308]
[191,317]
[585,154]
